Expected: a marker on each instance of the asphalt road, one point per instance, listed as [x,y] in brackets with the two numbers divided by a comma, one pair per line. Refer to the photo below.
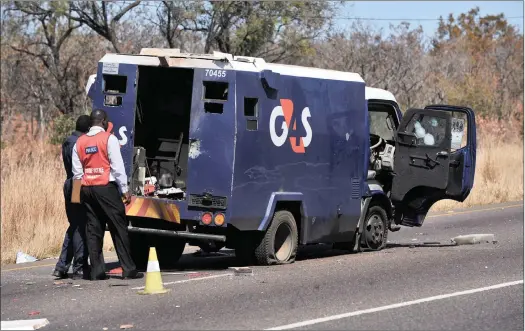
[404,287]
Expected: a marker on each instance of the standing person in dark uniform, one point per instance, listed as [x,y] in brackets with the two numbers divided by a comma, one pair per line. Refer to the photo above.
[74,247]
[98,162]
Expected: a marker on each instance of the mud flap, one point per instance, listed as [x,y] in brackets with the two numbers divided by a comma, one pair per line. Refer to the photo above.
[361,224]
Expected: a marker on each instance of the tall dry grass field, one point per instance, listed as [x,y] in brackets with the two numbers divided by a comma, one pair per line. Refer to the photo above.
[499,174]
[32,201]
[33,217]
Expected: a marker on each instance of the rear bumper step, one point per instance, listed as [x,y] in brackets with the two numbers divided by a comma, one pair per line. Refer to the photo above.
[178,234]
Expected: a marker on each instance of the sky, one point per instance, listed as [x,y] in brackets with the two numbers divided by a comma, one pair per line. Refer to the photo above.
[428,10]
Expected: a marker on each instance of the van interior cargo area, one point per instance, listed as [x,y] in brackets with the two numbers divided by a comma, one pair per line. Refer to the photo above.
[162,122]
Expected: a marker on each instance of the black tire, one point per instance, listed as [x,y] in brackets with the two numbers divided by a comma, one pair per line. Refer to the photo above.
[139,250]
[169,250]
[281,234]
[375,232]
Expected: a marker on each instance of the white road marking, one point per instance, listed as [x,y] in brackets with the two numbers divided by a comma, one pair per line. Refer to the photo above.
[393,306]
[24,324]
[188,280]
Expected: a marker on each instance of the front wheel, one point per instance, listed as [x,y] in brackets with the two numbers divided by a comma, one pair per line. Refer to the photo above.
[375,231]
[280,242]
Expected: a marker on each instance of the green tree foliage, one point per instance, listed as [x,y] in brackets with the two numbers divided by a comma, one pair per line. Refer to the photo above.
[275,30]
[481,63]
[62,128]
[49,49]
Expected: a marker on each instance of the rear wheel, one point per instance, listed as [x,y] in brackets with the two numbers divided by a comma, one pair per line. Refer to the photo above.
[280,242]
[375,231]
[169,250]
[139,250]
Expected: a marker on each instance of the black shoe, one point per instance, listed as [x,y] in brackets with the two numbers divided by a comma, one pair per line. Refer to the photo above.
[101,277]
[133,275]
[60,274]
[80,275]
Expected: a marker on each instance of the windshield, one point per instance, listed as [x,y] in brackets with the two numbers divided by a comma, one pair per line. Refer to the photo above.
[381,124]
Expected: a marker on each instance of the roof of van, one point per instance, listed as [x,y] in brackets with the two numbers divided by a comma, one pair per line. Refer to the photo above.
[378,94]
[173,58]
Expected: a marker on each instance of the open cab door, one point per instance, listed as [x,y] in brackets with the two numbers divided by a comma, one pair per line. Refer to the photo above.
[435,159]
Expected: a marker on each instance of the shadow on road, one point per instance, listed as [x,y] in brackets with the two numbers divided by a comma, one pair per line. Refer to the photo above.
[225,258]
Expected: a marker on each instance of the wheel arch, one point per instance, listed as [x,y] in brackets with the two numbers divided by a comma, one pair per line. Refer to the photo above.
[291,201]
[379,198]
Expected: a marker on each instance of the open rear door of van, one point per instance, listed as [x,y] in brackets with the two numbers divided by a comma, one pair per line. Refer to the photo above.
[435,159]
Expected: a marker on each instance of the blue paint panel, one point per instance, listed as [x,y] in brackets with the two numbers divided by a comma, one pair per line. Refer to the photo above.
[323,174]
[211,156]
[122,117]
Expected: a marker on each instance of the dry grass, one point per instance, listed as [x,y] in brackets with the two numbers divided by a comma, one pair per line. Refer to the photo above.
[499,173]
[33,217]
[32,213]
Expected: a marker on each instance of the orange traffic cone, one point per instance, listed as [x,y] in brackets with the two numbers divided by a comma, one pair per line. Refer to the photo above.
[153,278]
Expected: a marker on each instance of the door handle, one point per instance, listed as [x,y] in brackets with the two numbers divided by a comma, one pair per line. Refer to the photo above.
[430,159]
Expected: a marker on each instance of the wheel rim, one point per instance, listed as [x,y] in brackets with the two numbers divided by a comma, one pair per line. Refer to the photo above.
[374,231]
[283,242]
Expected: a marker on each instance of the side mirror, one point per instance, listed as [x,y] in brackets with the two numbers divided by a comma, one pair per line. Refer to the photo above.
[406,138]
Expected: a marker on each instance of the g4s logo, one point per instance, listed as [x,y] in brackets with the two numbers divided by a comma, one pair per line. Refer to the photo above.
[298,141]
[123,138]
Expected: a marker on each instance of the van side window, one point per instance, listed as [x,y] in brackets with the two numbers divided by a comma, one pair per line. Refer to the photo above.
[115,84]
[251,113]
[429,130]
[215,91]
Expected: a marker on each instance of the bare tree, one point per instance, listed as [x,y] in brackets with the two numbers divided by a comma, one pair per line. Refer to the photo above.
[101,16]
[277,31]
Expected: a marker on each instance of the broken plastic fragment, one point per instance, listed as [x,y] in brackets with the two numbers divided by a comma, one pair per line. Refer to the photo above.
[24,258]
[126,326]
[472,239]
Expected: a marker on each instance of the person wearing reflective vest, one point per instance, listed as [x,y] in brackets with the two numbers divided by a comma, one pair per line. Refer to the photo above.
[97,161]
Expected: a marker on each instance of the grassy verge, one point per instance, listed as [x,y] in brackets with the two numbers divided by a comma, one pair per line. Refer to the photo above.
[33,217]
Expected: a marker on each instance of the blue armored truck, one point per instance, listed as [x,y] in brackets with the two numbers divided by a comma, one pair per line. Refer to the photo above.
[232,151]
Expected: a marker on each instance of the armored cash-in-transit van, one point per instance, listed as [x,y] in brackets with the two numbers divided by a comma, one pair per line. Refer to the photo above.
[232,151]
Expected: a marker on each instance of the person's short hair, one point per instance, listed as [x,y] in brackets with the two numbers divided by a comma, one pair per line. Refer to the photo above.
[97,116]
[83,123]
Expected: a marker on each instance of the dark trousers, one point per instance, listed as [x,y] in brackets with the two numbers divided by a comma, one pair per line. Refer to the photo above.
[104,204]
[74,248]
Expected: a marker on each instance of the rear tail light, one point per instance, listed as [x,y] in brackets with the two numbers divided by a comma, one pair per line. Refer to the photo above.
[206,218]
[219,219]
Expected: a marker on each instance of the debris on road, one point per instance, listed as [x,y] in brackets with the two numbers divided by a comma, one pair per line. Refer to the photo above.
[24,258]
[198,274]
[473,239]
[76,285]
[30,283]
[61,283]
[242,271]
[33,313]
[126,326]
[24,324]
